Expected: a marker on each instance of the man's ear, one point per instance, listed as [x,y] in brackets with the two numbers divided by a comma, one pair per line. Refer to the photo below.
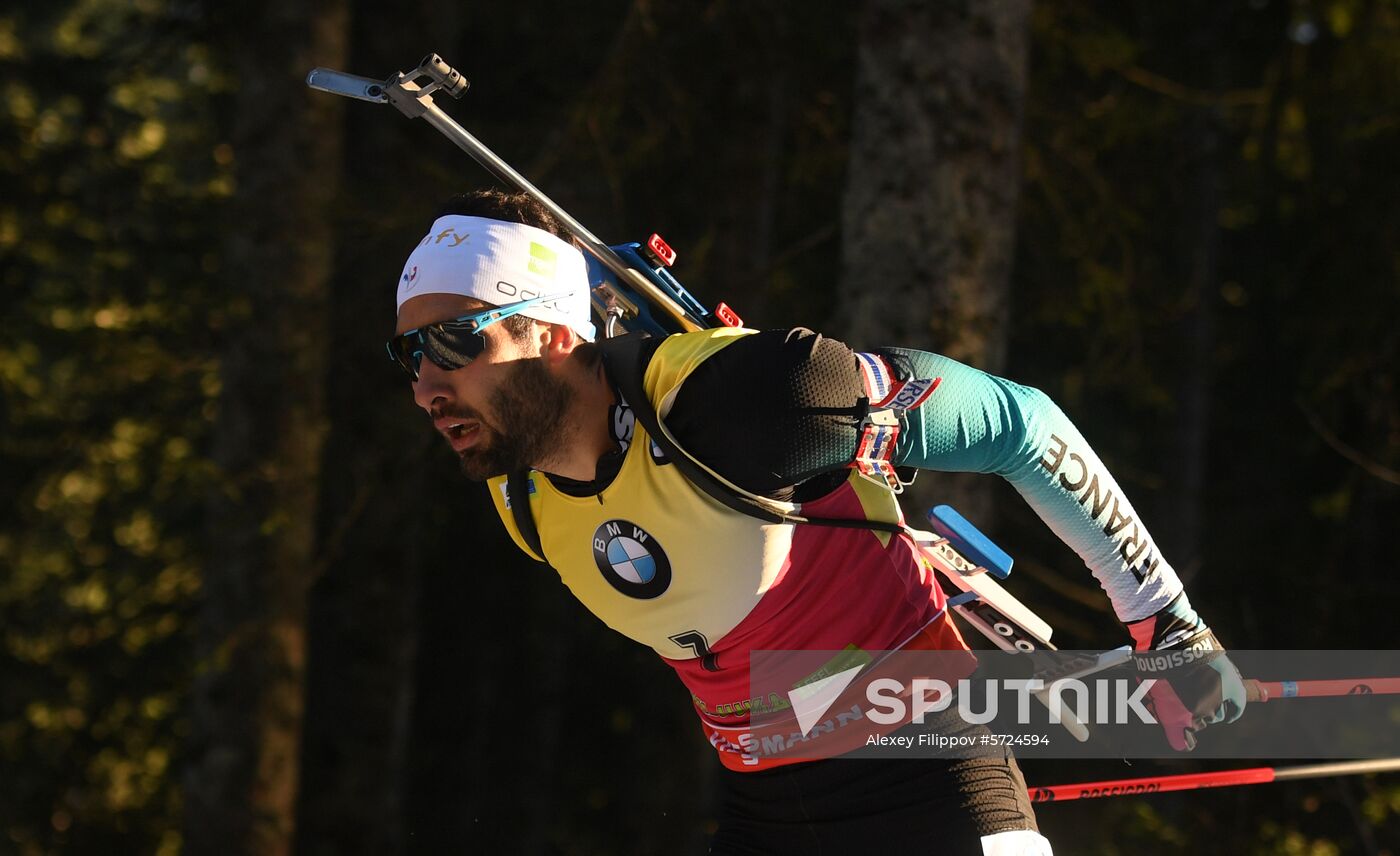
[557,342]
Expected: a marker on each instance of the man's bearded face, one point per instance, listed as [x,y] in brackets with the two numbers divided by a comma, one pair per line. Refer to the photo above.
[528,408]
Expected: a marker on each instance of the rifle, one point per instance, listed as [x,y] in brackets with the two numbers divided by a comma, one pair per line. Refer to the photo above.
[631,284]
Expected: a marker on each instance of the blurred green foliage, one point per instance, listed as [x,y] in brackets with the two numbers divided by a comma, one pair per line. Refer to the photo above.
[111,174]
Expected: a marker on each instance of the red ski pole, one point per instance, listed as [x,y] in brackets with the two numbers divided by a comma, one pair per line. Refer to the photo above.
[1266,690]
[1216,779]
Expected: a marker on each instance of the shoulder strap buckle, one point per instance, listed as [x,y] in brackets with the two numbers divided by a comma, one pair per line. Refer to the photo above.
[889,398]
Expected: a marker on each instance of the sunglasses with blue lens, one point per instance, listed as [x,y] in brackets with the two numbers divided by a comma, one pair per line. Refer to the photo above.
[452,344]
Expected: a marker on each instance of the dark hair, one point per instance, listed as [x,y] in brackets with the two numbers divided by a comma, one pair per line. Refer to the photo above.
[514,207]
[510,207]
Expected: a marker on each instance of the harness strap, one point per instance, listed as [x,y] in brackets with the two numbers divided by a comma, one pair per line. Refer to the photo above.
[621,355]
[518,495]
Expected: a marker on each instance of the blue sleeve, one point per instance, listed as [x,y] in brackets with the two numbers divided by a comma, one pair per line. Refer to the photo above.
[977,422]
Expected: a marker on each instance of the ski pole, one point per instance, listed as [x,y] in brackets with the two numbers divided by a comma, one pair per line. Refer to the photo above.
[1259,691]
[1216,779]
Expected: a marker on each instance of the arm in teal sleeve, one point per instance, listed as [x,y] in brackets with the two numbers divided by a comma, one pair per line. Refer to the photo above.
[976,422]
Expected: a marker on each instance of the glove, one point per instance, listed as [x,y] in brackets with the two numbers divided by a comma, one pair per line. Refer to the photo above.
[1197,685]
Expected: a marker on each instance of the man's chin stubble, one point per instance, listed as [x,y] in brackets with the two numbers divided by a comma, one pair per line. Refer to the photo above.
[497,456]
[479,468]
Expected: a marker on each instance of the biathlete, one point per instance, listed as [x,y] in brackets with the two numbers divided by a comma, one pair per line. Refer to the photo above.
[494,329]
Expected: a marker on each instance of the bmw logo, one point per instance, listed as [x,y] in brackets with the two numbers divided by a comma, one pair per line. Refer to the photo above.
[631,560]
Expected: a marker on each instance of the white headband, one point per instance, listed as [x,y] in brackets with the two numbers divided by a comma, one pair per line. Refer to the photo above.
[500,263]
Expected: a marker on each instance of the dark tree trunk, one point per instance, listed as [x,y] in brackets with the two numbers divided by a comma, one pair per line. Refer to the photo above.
[928,227]
[241,780]
[379,479]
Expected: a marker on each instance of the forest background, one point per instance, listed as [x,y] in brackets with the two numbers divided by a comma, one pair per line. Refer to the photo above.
[248,605]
